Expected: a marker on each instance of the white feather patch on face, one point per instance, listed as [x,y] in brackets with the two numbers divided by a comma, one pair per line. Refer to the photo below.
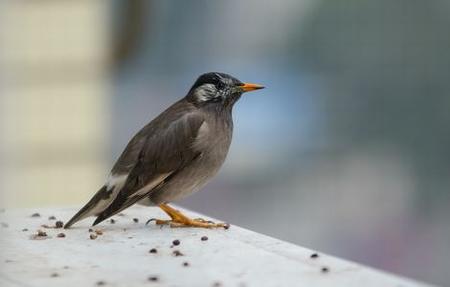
[205,92]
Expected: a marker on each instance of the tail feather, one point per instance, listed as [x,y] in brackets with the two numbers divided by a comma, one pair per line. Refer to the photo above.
[94,206]
[119,204]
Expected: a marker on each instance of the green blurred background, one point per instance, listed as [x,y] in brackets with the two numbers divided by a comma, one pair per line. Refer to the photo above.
[347,150]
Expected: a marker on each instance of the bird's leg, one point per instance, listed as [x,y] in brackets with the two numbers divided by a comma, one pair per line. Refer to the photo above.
[180,220]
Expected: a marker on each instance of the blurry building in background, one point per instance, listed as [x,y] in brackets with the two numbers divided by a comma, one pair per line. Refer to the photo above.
[54,103]
[346,151]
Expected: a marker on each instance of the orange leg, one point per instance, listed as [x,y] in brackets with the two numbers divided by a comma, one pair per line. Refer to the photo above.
[180,220]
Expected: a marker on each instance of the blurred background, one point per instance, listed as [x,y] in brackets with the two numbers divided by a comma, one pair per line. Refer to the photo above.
[346,151]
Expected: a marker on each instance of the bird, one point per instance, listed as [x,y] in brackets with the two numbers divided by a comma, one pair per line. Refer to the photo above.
[174,155]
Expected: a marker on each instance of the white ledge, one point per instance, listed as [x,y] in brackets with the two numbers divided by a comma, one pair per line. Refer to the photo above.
[120,257]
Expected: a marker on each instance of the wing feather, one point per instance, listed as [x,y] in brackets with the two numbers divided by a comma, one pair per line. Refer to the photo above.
[165,147]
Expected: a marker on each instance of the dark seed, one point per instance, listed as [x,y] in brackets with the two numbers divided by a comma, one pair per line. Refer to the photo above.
[135,220]
[41,233]
[177,253]
[185,264]
[25,229]
[91,230]
[325,270]
[314,255]
[93,236]
[112,221]
[101,283]
[36,215]
[204,238]
[153,250]
[59,224]
[217,284]
[66,267]
[45,226]
[61,235]
[226,226]
[153,278]
[54,275]
[176,242]
[52,218]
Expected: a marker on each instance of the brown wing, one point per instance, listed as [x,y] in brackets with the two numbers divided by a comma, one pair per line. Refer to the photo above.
[165,147]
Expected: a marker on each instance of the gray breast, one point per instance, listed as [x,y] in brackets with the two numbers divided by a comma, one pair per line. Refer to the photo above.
[212,141]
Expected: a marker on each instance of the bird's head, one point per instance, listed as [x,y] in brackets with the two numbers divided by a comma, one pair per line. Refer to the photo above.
[219,88]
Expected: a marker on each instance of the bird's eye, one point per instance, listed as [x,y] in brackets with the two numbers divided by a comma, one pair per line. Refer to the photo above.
[220,85]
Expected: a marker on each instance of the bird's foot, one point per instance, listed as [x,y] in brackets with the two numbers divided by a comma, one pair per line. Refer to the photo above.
[180,220]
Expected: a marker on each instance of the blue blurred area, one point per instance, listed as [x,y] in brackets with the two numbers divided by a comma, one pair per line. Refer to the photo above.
[346,150]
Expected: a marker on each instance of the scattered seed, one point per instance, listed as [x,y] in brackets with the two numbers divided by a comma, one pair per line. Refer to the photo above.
[153,278]
[39,235]
[325,269]
[61,235]
[112,221]
[91,230]
[101,283]
[217,284]
[93,236]
[136,220]
[25,229]
[52,218]
[5,225]
[153,250]
[226,226]
[54,275]
[36,215]
[66,267]
[204,238]
[177,253]
[314,255]
[98,232]
[45,226]
[121,214]
[176,242]
[8,261]
[59,224]
[185,264]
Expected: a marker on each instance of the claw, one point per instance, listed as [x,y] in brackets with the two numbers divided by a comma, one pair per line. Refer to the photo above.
[150,220]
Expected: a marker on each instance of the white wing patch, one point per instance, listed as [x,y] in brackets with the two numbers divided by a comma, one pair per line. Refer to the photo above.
[151,185]
[114,184]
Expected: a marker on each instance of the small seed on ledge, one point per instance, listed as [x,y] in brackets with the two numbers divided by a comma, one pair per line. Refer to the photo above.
[314,255]
[176,242]
[325,269]
[177,253]
[153,278]
[153,250]
[59,224]
[204,238]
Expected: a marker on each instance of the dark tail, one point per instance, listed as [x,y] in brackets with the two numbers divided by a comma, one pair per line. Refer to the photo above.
[89,208]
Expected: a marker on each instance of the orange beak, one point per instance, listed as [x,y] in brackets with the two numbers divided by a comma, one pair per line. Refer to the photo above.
[247,87]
